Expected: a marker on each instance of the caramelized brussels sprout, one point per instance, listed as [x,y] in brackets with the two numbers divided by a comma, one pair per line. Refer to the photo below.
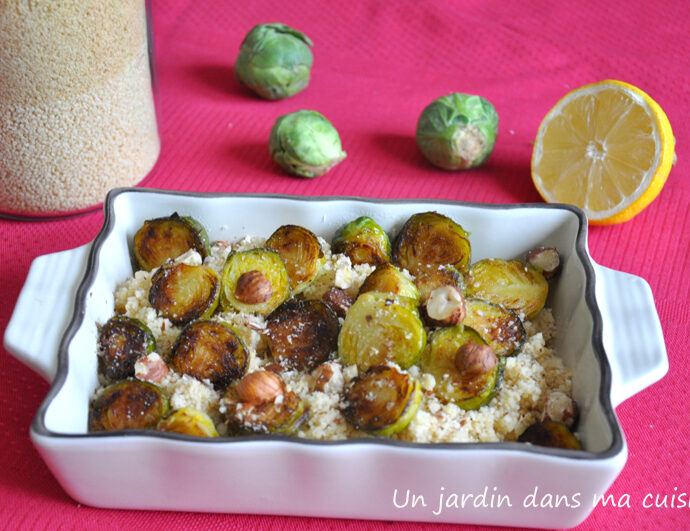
[429,240]
[247,412]
[254,281]
[210,350]
[188,421]
[162,239]
[182,292]
[382,400]
[378,328]
[550,433]
[387,278]
[452,385]
[121,342]
[301,251]
[519,287]
[302,333]
[127,405]
[500,327]
[363,241]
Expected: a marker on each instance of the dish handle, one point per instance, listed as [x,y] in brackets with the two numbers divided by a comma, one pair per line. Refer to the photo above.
[632,335]
[44,308]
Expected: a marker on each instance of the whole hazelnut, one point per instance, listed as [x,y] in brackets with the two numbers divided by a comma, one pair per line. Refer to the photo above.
[253,287]
[260,387]
[446,305]
[322,375]
[545,259]
[473,360]
[339,300]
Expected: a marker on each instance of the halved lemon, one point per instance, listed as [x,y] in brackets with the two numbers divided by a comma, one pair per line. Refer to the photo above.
[606,148]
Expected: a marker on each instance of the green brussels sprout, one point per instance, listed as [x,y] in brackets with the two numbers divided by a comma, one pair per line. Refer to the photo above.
[469,389]
[304,143]
[457,131]
[121,342]
[363,241]
[521,288]
[381,327]
[188,421]
[274,61]
[382,400]
[161,239]
[128,405]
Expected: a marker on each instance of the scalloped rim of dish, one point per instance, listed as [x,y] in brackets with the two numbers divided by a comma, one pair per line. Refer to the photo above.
[617,442]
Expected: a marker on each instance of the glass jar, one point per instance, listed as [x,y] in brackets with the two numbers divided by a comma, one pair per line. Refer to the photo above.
[77,111]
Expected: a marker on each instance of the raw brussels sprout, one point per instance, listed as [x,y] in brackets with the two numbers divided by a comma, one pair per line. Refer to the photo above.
[521,288]
[188,421]
[127,405]
[363,241]
[387,278]
[550,433]
[500,327]
[121,342]
[380,327]
[210,350]
[457,131]
[304,143]
[302,333]
[182,292]
[382,400]
[274,61]
[254,281]
[429,240]
[274,416]
[301,251]
[439,360]
[162,239]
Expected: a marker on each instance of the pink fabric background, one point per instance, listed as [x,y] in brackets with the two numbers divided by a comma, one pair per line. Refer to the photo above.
[377,64]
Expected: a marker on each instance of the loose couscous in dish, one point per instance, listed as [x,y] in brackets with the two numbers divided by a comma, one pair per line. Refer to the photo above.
[355,337]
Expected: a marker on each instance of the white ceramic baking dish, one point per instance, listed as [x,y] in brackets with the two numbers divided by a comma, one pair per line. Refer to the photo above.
[612,355]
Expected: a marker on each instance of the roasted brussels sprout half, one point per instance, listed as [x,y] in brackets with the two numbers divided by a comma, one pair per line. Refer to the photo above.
[182,292]
[305,144]
[162,239]
[127,405]
[301,251]
[382,401]
[302,333]
[274,61]
[550,433]
[500,327]
[254,281]
[387,278]
[468,391]
[429,240]
[210,350]
[247,411]
[380,327]
[121,342]
[457,131]
[363,241]
[521,288]
[188,421]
